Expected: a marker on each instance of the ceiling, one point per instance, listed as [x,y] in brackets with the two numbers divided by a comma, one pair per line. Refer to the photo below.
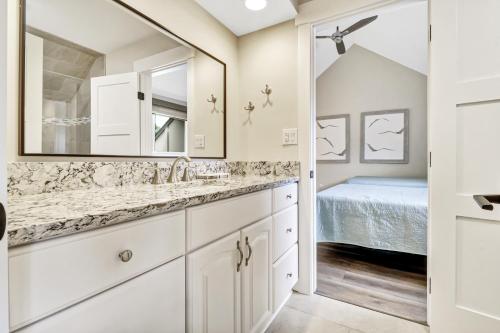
[171,84]
[240,20]
[399,34]
[102,26]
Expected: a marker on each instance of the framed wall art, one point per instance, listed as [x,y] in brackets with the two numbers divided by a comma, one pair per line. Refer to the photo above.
[385,136]
[333,138]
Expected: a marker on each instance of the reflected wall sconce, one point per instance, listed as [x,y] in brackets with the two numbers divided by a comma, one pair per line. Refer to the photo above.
[213,100]
[267,91]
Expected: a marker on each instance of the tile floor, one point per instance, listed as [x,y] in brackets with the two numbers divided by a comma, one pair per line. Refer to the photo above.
[318,314]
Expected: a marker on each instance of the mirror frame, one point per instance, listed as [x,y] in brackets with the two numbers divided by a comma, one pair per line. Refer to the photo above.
[140,15]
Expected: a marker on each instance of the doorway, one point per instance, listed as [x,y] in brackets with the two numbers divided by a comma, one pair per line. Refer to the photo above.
[370,143]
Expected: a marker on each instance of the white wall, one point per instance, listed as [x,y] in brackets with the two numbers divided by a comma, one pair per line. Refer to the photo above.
[363,81]
[269,56]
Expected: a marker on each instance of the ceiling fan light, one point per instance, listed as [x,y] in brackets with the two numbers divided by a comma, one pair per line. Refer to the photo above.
[256,4]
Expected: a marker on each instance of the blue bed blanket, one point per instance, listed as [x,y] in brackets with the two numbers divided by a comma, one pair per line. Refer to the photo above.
[387,215]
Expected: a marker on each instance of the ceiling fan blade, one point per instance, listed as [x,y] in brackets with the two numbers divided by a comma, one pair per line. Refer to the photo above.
[358,25]
[320,37]
[340,47]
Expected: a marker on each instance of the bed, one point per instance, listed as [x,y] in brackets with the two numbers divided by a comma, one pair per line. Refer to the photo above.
[375,212]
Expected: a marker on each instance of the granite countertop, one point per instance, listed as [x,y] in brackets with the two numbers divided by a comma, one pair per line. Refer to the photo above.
[33,218]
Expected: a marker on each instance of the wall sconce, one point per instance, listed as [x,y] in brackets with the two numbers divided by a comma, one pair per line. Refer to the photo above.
[250,107]
[267,91]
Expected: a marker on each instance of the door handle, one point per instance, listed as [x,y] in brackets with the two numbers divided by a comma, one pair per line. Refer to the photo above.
[238,266]
[486,201]
[3,221]
[249,251]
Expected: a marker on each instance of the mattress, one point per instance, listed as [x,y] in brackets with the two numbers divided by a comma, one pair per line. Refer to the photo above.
[380,213]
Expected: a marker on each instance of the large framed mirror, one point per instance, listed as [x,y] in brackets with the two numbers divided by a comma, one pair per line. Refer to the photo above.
[99,78]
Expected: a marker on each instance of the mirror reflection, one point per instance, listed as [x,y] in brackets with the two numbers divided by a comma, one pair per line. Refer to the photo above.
[112,83]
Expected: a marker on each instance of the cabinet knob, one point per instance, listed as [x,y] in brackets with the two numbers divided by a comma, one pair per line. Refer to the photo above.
[289,230]
[126,255]
[289,275]
[288,196]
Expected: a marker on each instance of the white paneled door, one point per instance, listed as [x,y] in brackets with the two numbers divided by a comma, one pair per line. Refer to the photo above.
[464,120]
[4,313]
[115,115]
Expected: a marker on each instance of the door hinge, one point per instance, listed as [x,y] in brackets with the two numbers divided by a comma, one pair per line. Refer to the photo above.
[430,159]
[430,33]
[430,285]
[311,174]
[140,95]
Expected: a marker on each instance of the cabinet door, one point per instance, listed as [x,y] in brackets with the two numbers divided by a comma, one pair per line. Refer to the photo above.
[152,302]
[214,287]
[257,276]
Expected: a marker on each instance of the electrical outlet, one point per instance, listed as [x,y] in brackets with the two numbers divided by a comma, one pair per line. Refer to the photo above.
[199,141]
[289,136]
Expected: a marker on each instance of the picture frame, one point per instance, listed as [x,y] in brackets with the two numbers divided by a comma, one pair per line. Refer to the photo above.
[333,138]
[385,137]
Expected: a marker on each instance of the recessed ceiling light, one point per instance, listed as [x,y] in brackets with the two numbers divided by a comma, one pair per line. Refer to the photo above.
[256,4]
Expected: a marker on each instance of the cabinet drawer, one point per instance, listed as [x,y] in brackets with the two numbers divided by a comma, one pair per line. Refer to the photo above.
[285,276]
[153,302]
[209,222]
[284,197]
[49,276]
[284,231]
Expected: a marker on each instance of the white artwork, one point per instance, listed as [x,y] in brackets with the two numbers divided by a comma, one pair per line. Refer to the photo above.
[332,138]
[384,136]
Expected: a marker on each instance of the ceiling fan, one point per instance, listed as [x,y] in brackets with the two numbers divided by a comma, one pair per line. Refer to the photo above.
[338,36]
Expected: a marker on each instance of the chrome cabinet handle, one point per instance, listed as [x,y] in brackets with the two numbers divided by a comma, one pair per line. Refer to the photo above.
[3,221]
[249,251]
[289,230]
[238,266]
[126,255]
[289,275]
[288,196]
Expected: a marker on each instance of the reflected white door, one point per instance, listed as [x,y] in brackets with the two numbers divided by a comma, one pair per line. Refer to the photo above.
[464,118]
[115,115]
[4,310]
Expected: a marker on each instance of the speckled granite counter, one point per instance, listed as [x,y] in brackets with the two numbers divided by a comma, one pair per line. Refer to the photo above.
[38,217]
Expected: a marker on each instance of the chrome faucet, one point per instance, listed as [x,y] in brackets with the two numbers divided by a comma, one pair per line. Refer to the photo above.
[172,177]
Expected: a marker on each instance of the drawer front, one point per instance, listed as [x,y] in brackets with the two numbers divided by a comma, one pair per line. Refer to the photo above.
[284,197]
[49,276]
[285,276]
[284,231]
[206,223]
[153,302]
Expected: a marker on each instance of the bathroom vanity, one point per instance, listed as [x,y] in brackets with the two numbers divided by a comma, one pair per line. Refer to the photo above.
[207,256]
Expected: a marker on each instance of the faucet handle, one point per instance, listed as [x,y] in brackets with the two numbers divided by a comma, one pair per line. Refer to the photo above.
[185,175]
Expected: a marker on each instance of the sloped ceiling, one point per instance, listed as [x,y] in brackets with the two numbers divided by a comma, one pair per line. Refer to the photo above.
[400,33]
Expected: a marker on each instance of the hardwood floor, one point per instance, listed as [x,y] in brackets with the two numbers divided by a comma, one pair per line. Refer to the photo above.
[389,282]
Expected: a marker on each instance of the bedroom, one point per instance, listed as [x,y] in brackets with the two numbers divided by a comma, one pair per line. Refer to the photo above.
[371,159]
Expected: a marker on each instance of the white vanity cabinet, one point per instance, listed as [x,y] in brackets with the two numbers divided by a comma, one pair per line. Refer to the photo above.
[239,282]
[226,266]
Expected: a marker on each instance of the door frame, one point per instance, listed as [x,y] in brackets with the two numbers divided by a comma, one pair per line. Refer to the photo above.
[306,24]
[4,304]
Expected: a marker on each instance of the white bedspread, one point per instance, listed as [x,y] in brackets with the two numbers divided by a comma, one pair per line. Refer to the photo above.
[381,215]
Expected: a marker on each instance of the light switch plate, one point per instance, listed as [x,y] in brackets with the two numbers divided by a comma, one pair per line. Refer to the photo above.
[289,136]
[199,141]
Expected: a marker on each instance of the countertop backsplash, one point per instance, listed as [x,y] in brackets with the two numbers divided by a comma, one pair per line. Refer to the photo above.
[28,178]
